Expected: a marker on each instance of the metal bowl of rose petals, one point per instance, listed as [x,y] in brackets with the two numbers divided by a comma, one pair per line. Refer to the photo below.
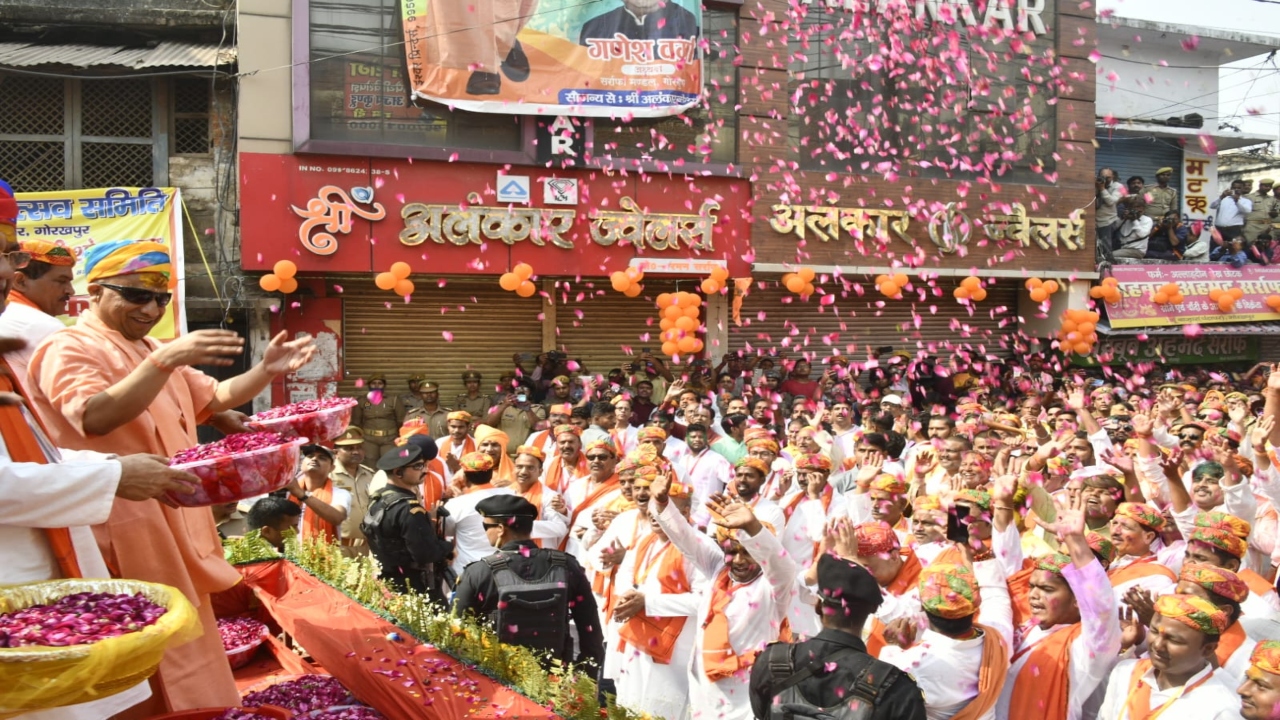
[65,642]
[241,638]
[236,467]
[321,420]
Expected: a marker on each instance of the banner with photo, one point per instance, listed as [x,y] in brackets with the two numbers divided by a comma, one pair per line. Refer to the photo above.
[599,58]
[78,219]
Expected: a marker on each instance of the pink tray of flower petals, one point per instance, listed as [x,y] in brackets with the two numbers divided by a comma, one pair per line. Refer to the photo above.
[229,476]
[321,420]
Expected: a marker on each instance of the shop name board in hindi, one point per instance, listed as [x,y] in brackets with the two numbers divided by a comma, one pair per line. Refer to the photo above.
[475,224]
[826,224]
[1174,350]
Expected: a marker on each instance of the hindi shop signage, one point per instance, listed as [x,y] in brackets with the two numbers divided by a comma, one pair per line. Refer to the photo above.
[949,228]
[359,215]
[1199,180]
[1139,282]
[1173,350]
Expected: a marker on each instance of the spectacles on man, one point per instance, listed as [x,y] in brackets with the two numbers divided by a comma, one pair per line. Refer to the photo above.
[17,258]
[139,296]
[1190,436]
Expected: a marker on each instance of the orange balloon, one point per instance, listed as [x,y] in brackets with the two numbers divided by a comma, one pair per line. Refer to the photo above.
[1161,298]
[1085,328]
[889,288]
[1096,292]
[524,271]
[689,300]
[687,324]
[1082,348]
[686,344]
[1113,297]
[666,323]
[961,293]
[665,299]
[720,273]
[710,286]
[692,311]
[1236,293]
[1215,293]
[271,283]
[285,269]
[971,282]
[1069,325]
[1051,286]
[1110,281]
[1225,304]
[401,270]
[980,294]
[670,348]
[509,281]
[620,281]
[1033,283]
[288,285]
[795,284]
[404,288]
[900,279]
[633,290]
[1094,316]
[808,290]
[806,273]
[385,281]
[1176,299]
[634,273]
[673,312]
[526,289]
[1039,295]
[1273,301]
[697,346]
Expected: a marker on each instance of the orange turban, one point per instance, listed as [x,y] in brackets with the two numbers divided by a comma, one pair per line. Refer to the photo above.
[1216,580]
[476,462]
[890,484]
[756,464]
[533,451]
[1266,656]
[949,591]
[1194,612]
[1143,514]
[875,538]
[462,415]
[817,461]
[566,428]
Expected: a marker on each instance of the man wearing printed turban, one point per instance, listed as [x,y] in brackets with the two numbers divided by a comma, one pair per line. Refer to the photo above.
[38,295]
[1134,531]
[883,499]
[1221,540]
[104,385]
[589,497]
[464,521]
[1226,590]
[1178,679]
[1260,693]
[749,477]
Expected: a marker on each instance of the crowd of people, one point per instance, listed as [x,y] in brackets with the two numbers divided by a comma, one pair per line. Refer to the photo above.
[767,537]
[1137,221]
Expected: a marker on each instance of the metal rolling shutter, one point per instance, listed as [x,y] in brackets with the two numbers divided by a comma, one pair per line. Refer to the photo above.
[772,316]
[602,329]
[1140,156]
[382,333]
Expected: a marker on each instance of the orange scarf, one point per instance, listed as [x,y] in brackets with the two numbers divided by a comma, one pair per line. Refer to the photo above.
[23,447]
[1146,567]
[1139,700]
[1258,585]
[656,636]
[1043,686]
[991,676]
[555,472]
[908,576]
[446,446]
[17,298]
[719,661]
[433,487]
[1229,643]
[602,581]
[314,526]
[534,496]
[601,490]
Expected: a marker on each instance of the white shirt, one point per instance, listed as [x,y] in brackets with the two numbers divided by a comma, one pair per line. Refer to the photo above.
[1134,233]
[30,324]
[75,493]
[1211,700]
[341,500]
[1231,212]
[467,527]
[946,670]
[707,473]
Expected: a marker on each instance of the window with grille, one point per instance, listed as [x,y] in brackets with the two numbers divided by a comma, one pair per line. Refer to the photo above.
[191,116]
[60,134]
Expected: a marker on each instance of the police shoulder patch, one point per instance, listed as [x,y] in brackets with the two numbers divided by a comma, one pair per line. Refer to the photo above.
[417,509]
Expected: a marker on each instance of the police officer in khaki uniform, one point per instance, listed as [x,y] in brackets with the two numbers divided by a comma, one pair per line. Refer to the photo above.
[350,474]
[473,401]
[429,411]
[380,421]
[1265,209]
[1162,199]
[410,400]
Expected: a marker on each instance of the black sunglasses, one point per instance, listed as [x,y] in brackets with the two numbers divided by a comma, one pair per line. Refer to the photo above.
[598,458]
[138,296]
[490,526]
[1190,436]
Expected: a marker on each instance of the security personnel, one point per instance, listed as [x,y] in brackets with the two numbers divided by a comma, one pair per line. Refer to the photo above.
[350,474]
[1162,199]
[473,401]
[429,410]
[402,534]
[410,400]
[1265,210]
[379,420]
[508,523]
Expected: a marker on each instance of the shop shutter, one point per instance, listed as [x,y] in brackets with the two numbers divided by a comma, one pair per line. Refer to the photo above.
[602,328]
[774,319]
[1140,156]
[382,333]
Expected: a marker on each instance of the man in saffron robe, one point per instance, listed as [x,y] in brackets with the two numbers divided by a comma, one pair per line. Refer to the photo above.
[104,385]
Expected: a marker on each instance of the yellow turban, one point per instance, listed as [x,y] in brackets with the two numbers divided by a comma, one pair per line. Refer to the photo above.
[1194,612]
[462,415]
[48,253]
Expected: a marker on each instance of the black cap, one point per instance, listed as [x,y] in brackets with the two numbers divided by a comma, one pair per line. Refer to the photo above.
[847,586]
[311,449]
[396,458]
[426,445]
[507,506]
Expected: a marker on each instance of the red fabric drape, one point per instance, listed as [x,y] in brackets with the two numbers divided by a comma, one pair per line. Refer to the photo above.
[332,626]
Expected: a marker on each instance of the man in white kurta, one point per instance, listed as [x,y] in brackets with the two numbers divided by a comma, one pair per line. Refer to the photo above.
[464,522]
[704,470]
[39,292]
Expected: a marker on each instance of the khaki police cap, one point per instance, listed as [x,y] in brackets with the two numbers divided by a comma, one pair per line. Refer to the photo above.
[351,436]
[428,387]
[470,375]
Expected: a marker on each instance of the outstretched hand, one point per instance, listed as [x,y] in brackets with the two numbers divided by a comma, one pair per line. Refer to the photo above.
[733,514]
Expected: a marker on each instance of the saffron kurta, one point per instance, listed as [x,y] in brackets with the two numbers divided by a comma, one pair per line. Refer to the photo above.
[145,540]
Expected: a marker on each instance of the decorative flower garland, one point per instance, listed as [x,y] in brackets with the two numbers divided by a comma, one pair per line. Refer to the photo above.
[571,694]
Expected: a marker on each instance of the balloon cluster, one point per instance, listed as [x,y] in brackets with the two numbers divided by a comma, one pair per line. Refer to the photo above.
[678,315]
[800,282]
[1078,333]
[627,281]
[397,279]
[518,281]
[1040,290]
[1226,299]
[280,278]
[970,289]
[715,283]
[891,285]
[1108,291]
[1168,294]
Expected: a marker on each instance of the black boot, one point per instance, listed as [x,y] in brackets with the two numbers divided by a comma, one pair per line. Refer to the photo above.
[484,83]
[516,66]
